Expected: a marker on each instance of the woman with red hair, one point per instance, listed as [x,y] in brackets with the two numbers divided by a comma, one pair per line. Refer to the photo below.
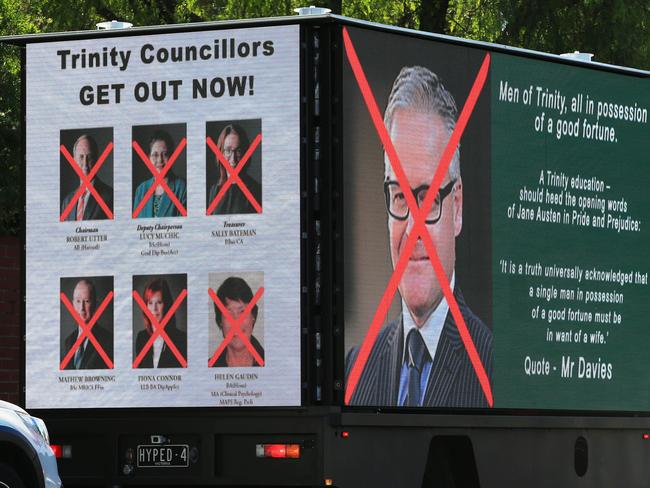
[158,299]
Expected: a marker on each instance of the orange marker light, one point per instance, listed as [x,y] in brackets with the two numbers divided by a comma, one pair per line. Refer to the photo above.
[293,451]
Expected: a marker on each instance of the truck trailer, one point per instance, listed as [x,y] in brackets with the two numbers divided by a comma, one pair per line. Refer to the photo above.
[319,251]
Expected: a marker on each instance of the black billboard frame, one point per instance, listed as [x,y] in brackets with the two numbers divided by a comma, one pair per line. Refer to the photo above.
[307,238]
[433,416]
[326,204]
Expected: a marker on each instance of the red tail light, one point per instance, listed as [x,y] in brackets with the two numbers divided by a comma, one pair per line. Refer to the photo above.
[61,451]
[282,451]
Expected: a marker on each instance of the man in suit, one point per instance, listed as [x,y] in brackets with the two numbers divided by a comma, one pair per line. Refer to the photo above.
[419,359]
[84,301]
[84,152]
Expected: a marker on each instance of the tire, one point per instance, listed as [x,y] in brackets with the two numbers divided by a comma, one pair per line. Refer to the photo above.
[9,478]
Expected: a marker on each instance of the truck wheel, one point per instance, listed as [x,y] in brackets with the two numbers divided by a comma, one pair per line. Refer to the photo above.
[9,478]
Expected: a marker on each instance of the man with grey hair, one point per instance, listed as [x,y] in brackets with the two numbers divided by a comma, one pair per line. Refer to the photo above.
[84,152]
[86,356]
[420,359]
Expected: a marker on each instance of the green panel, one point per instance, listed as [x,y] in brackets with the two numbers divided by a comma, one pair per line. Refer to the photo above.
[599,179]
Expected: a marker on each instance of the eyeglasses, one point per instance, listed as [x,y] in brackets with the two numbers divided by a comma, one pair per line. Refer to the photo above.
[396,202]
[232,153]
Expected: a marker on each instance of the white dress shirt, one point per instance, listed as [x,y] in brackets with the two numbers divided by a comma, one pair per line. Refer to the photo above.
[158,344]
[432,328]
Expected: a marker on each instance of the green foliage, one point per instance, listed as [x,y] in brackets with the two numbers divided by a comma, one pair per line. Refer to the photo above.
[476,19]
[13,18]
[615,30]
[400,13]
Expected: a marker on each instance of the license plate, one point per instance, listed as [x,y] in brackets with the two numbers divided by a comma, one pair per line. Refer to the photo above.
[163,456]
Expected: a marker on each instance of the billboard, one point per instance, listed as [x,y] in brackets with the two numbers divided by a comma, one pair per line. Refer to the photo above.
[163,220]
[494,229]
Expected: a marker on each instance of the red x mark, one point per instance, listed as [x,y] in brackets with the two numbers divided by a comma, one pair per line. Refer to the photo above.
[419,229]
[159,329]
[85,330]
[159,178]
[233,174]
[235,327]
[86,181]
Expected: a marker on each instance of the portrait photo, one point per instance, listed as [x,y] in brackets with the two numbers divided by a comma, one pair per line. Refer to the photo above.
[86,174]
[236,320]
[159,170]
[421,337]
[233,147]
[160,321]
[86,334]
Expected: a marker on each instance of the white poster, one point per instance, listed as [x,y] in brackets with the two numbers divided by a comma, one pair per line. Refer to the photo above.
[163,220]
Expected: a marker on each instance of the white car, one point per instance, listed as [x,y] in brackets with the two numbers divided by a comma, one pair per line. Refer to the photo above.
[26,459]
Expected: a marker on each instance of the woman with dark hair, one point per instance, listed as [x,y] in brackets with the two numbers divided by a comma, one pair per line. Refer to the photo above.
[233,144]
[158,299]
[161,147]
[235,294]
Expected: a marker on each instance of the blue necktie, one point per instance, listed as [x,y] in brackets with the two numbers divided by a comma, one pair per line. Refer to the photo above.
[416,357]
[79,355]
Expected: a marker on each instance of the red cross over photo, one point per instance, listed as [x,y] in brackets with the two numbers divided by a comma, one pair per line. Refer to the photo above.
[86,323]
[236,320]
[159,169]
[160,321]
[86,174]
[417,167]
[234,167]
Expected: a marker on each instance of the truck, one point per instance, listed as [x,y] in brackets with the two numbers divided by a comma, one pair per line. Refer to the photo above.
[319,251]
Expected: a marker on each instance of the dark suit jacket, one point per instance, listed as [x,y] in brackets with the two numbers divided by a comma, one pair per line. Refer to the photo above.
[234,201]
[167,358]
[91,358]
[93,210]
[452,380]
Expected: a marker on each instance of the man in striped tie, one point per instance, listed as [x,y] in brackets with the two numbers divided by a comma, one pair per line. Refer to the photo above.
[419,359]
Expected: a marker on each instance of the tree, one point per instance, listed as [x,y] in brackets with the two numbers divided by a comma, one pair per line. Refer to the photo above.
[615,30]
[12,19]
